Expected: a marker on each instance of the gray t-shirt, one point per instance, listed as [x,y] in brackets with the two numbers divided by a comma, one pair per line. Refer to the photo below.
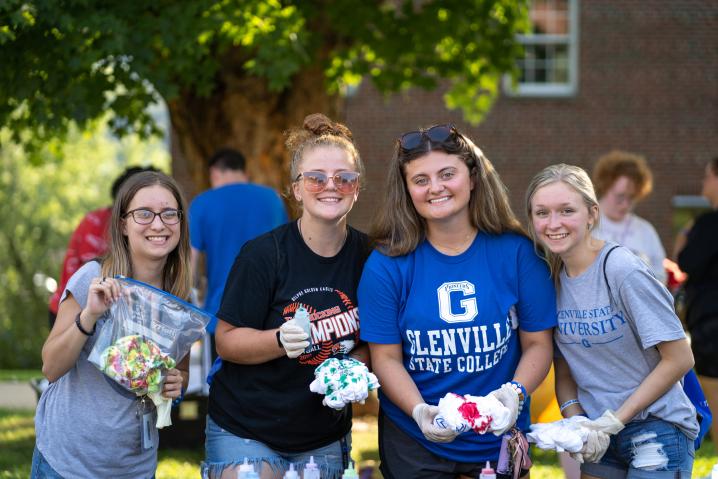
[610,345]
[88,426]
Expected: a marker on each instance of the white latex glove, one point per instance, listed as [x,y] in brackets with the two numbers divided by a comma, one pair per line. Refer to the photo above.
[294,339]
[607,423]
[424,416]
[594,448]
[164,409]
[507,396]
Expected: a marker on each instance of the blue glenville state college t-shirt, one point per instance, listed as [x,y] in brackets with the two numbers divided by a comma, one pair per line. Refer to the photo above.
[456,318]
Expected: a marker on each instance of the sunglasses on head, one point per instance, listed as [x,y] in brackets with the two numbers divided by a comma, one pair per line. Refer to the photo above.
[345,182]
[435,134]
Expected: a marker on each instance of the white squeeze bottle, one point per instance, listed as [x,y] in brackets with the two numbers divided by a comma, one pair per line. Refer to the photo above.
[350,472]
[244,470]
[301,317]
[291,473]
[311,470]
[487,472]
[714,472]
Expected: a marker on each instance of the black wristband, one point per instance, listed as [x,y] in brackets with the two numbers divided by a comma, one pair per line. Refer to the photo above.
[279,340]
[82,330]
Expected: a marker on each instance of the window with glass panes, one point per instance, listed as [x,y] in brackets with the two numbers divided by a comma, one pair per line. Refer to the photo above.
[549,64]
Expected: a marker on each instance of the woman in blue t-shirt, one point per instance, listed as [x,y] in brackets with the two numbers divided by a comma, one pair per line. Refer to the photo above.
[454,299]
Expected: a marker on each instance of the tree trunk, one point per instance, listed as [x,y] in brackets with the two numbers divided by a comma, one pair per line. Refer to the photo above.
[243,113]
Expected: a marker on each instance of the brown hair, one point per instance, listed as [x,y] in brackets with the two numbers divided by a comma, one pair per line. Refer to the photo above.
[616,164]
[318,130]
[573,176]
[176,277]
[398,228]
[714,165]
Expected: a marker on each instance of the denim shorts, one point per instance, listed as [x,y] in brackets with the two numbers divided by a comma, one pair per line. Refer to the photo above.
[40,468]
[650,449]
[225,452]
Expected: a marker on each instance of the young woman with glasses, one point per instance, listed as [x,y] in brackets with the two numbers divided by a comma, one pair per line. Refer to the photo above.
[260,405]
[454,299]
[86,424]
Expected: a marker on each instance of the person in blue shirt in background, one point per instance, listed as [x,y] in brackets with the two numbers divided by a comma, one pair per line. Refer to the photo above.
[454,299]
[225,217]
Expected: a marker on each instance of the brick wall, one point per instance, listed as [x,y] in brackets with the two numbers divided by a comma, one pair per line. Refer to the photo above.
[648,83]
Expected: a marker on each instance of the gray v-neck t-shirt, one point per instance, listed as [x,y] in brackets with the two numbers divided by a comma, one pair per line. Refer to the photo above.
[88,426]
[610,344]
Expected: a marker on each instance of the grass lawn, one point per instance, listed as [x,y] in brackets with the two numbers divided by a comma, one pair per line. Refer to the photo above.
[19,374]
[17,438]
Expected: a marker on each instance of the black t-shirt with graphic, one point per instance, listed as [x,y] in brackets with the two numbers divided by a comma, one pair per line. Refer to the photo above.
[272,276]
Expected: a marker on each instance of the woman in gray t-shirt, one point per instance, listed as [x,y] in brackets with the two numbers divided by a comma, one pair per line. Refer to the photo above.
[620,349]
[87,425]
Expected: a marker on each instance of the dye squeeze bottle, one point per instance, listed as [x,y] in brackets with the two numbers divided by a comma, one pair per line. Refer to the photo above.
[244,469]
[350,472]
[487,472]
[311,470]
[291,473]
[301,317]
[714,472]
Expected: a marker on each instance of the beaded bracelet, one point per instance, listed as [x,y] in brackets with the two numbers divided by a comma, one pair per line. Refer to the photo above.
[520,391]
[568,404]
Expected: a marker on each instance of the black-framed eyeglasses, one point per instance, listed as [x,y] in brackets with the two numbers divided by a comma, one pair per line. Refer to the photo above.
[345,182]
[143,216]
[435,134]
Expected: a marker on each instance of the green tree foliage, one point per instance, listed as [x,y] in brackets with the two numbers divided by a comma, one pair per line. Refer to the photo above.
[240,71]
[41,205]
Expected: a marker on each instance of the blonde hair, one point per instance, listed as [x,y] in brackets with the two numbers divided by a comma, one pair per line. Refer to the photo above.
[318,130]
[398,228]
[615,164]
[176,277]
[573,176]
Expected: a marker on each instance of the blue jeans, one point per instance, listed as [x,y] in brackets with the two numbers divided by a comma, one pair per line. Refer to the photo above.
[41,469]
[650,449]
[225,452]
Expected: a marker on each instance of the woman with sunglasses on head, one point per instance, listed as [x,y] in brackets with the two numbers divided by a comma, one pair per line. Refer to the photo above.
[260,405]
[620,349]
[454,300]
[86,424]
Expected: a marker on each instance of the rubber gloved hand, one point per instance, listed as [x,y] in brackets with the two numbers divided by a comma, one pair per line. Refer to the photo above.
[607,423]
[424,415]
[294,339]
[594,448]
[507,396]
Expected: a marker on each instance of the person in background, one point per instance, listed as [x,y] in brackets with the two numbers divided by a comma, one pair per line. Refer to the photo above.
[451,258]
[621,180]
[699,260]
[225,217]
[88,241]
[260,405]
[621,352]
[86,424]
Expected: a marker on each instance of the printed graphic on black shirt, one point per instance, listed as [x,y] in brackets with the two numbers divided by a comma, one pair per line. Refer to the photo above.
[334,322]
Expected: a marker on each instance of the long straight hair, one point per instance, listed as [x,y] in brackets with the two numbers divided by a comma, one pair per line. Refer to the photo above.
[176,276]
[573,176]
[398,228]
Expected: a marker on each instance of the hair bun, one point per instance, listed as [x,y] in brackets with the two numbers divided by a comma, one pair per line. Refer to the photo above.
[319,124]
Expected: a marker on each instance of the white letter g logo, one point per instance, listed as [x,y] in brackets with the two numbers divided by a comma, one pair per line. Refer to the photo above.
[470,311]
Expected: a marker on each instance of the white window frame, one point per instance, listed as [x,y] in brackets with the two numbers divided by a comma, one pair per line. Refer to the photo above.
[552,89]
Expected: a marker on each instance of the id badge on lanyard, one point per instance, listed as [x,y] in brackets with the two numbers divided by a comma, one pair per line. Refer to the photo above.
[148,431]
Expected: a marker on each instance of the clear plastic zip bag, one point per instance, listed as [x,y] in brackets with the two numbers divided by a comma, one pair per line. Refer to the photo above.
[148,332]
